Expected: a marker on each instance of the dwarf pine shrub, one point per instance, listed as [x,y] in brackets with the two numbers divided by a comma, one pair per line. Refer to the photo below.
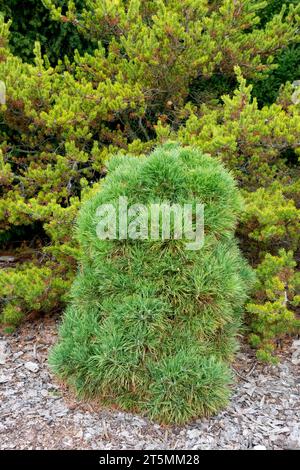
[152,326]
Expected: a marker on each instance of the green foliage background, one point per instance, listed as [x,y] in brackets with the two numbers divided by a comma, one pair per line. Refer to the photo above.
[213,74]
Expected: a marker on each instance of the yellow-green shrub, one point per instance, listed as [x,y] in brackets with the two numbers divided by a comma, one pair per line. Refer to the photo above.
[148,80]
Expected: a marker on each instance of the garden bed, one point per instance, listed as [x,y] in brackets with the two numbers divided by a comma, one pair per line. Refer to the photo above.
[37,413]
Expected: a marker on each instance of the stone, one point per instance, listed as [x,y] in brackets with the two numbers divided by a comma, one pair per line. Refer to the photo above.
[2,428]
[296,344]
[68,442]
[32,399]
[3,346]
[79,435]
[18,354]
[6,259]
[32,366]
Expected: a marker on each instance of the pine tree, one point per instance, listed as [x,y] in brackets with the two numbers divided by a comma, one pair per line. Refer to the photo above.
[152,326]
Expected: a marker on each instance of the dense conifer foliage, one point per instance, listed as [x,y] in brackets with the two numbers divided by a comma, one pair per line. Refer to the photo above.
[218,75]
